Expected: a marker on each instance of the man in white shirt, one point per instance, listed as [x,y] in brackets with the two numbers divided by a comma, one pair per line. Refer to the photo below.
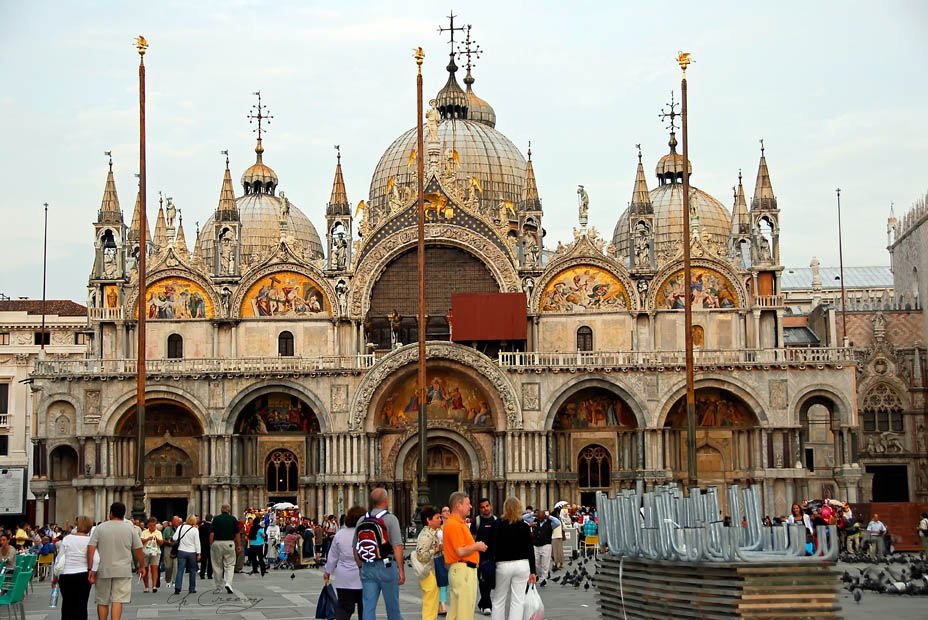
[117,544]
[877,530]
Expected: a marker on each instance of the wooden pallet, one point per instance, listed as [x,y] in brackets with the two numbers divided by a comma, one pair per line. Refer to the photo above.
[663,590]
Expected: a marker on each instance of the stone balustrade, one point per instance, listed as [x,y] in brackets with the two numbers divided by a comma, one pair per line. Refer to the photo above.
[660,359]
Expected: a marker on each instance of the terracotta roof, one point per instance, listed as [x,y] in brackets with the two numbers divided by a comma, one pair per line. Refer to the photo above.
[59,307]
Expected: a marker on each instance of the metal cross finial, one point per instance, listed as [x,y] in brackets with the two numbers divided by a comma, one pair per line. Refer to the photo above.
[259,113]
[638,146]
[762,146]
[338,152]
[110,155]
[451,28]
[160,198]
[470,50]
[530,150]
[669,111]
[226,153]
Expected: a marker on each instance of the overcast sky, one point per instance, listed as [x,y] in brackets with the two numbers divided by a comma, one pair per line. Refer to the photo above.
[836,89]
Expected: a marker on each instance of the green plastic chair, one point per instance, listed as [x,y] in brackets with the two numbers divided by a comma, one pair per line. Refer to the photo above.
[16,595]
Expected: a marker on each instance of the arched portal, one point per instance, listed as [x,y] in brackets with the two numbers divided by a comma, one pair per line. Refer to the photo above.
[173,434]
[594,469]
[281,474]
[725,425]
[62,469]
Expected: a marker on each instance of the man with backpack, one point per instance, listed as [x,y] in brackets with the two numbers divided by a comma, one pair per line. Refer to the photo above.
[378,550]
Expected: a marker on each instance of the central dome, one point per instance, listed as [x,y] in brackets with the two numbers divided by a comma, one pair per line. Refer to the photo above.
[468,126]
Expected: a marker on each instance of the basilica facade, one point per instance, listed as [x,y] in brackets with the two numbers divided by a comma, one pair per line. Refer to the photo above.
[282,364]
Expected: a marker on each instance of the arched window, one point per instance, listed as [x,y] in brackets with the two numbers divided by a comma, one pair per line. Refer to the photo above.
[593,467]
[285,344]
[882,410]
[282,469]
[584,339]
[175,347]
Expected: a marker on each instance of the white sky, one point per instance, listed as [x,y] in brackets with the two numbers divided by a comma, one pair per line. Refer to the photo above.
[836,89]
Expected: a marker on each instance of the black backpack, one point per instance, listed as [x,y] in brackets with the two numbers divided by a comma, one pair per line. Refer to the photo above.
[373,539]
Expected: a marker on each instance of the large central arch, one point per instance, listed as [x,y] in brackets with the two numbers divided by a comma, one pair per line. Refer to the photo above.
[497,384]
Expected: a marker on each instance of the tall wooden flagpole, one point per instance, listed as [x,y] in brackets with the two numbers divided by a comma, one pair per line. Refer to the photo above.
[683,59]
[422,497]
[138,491]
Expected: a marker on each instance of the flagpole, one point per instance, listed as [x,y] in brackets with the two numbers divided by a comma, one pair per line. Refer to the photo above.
[691,468]
[138,492]
[423,487]
[44,274]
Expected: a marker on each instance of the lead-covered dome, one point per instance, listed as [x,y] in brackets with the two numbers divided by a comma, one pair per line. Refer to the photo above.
[485,153]
[707,213]
[259,213]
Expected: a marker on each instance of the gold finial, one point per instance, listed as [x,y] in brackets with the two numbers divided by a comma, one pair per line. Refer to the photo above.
[683,59]
[419,54]
[141,44]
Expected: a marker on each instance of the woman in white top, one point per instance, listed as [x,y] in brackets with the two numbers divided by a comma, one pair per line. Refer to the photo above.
[188,553]
[70,571]
[151,547]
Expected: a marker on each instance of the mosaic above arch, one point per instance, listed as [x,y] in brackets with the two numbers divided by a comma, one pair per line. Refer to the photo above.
[177,298]
[584,288]
[594,407]
[708,289]
[285,294]
[715,408]
[276,413]
[450,395]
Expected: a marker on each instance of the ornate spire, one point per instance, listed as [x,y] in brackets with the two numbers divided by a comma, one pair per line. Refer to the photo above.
[226,211]
[764,199]
[451,101]
[136,225]
[338,201]
[531,201]
[641,198]
[161,226]
[740,219]
[180,241]
[109,206]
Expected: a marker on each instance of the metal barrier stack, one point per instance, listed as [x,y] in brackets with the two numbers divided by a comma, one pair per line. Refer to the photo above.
[667,554]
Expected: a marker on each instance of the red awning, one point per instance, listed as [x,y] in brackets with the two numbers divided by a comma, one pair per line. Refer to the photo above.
[488,316]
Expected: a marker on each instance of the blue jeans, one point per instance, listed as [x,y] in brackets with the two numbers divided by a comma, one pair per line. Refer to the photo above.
[186,560]
[376,577]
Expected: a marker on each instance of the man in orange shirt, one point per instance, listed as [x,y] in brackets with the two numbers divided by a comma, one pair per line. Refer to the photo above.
[462,555]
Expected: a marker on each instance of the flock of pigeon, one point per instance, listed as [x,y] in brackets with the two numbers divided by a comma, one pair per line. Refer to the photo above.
[898,574]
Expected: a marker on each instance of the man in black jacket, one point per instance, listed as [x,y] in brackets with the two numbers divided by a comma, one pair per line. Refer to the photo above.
[206,564]
[483,529]
[541,539]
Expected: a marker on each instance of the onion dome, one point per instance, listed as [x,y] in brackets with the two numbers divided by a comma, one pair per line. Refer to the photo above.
[478,109]
[451,101]
[259,178]
[670,166]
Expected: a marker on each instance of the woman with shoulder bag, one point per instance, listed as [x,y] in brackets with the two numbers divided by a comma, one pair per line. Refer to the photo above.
[188,553]
[151,547]
[70,571]
[341,564]
[423,561]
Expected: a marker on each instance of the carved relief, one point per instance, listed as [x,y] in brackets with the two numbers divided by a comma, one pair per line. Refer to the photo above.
[92,406]
[531,396]
[778,393]
[339,398]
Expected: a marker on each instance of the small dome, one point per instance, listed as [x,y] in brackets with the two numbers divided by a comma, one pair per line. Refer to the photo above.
[259,178]
[670,166]
[667,200]
[451,101]
[478,109]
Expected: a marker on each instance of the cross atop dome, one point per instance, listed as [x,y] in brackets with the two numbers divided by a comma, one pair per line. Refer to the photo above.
[259,113]
[469,50]
[669,113]
[451,29]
